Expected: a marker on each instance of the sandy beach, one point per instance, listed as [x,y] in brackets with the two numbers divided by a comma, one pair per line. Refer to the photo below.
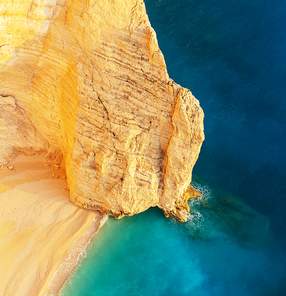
[42,234]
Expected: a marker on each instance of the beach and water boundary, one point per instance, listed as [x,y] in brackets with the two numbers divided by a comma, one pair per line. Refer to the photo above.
[43,235]
[76,253]
[232,56]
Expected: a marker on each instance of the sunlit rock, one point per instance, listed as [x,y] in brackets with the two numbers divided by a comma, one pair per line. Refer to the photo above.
[85,83]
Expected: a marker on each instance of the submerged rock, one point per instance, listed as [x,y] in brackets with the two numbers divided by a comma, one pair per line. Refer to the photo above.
[86,84]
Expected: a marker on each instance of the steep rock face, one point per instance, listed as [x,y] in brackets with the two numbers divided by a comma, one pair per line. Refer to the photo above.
[90,83]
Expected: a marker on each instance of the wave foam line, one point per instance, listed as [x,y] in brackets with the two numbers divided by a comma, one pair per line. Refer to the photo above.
[75,254]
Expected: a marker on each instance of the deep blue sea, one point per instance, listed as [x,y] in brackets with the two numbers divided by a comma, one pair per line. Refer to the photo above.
[232,55]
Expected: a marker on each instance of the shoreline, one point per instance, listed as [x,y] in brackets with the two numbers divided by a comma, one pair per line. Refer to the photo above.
[43,236]
[76,253]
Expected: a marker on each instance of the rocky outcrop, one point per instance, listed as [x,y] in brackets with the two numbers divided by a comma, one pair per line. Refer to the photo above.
[89,82]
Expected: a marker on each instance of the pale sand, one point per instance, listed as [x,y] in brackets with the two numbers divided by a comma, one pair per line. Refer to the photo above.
[42,234]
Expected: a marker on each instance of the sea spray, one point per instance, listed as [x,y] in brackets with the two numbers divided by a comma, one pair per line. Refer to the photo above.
[149,254]
[231,54]
[218,214]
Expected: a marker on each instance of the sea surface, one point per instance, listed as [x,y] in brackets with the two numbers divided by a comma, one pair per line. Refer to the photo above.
[232,56]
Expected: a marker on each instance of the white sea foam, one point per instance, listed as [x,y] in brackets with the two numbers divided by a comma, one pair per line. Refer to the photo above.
[76,253]
[203,189]
[196,219]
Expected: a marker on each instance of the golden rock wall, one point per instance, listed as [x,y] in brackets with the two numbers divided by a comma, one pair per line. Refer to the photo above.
[92,87]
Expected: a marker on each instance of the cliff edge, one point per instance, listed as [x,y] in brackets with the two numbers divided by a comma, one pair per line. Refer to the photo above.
[85,83]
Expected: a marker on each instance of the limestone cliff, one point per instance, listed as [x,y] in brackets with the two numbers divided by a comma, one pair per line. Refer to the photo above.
[85,82]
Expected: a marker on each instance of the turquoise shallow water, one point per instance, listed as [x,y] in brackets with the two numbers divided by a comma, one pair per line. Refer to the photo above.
[222,250]
[232,55]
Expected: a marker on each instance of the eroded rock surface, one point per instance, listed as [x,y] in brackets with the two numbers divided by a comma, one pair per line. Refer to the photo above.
[90,83]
